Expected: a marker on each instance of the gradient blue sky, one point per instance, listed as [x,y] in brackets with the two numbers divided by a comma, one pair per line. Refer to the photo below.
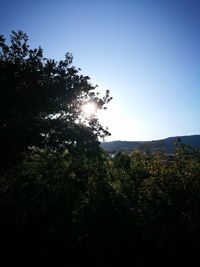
[147,53]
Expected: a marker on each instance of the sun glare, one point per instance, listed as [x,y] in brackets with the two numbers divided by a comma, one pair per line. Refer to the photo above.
[89,109]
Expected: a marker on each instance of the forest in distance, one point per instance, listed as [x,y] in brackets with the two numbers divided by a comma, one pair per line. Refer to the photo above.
[167,145]
[63,197]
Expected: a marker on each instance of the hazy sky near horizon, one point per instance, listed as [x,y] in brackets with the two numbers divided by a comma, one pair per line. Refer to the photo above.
[146,52]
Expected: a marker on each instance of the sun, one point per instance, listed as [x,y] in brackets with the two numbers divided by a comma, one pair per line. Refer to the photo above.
[89,109]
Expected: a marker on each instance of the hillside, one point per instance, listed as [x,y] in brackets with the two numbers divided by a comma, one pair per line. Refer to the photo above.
[166,144]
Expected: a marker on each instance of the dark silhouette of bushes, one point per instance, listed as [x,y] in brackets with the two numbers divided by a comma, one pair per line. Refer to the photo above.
[62,198]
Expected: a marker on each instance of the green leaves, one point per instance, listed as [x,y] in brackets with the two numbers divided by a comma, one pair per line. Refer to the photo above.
[94,202]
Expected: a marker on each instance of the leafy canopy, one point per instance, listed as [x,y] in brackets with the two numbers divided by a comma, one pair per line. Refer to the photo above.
[41,100]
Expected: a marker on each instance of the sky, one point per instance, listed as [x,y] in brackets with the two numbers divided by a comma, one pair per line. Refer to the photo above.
[146,52]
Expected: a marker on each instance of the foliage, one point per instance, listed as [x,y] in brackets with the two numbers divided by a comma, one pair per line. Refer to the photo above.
[66,196]
[63,200]
[41,101]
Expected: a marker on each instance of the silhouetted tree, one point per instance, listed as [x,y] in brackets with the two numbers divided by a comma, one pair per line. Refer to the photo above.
[41,99]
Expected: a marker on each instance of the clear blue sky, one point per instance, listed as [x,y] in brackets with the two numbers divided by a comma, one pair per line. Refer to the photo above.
[147,53]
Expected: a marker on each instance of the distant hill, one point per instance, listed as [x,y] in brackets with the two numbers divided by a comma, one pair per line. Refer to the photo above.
[167,144]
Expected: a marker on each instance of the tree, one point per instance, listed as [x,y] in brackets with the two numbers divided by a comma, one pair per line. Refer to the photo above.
[41,100]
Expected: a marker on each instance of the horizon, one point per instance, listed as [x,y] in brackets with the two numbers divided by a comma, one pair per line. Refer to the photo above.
[146,54]
[152,140]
